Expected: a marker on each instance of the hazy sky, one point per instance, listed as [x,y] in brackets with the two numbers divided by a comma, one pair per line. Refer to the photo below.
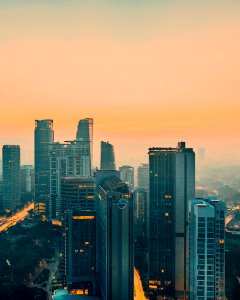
[150,73]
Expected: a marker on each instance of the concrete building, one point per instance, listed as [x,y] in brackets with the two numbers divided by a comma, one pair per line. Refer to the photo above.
[206,249]
[172,184]
[107,156]
[43,137]
[127,175]
[11,176]
[115,237]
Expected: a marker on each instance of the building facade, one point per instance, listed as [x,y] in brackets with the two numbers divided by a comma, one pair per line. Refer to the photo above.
[127,175]
[11,176]
[140,197]
[107,157]
[43,137]
[27,179]
[206,249]
[143,176]
[115,237]
[172,184]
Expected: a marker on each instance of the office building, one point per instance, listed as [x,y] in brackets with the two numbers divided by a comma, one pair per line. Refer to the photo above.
[11,176]
[70,159]
[140,197]
[127,175]
[143,176]
[206,249]
[85,137]
[27,179]
[77,193]
[43,137]
[107,156]
[172,184]
[80,251]
[115,237]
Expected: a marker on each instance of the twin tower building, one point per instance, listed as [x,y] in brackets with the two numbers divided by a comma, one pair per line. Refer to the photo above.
[185,235]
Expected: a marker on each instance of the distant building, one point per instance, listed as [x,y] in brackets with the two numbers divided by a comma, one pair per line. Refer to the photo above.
[115,237]
[140,213]
[11,176]
[27,179]
[172,184]
[70,159]
[143,176]
[80,241]
[85,136]
[201,155]
[127,175]
[107,156]
[77,193]
[206,249]
[43,137]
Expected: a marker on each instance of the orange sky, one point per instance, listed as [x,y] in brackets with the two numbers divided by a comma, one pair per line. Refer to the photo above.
[149,74]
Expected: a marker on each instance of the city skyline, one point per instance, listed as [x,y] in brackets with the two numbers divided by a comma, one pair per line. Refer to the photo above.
[170,68]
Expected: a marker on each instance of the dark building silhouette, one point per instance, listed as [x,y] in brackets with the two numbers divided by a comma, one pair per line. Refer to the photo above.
[107,156]
[43,137]
[115,237]
[11,176]
[140,213]
[172,184]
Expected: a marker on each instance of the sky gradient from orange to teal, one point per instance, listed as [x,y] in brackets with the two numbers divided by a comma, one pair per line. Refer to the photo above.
[150,73]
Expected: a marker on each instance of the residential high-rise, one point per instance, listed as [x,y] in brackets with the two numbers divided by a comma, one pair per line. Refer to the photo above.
[66,160]
[127,175]
[80,251]
[85,136]
[77,193]
[107,156]
[206,249]
[172,184]
[143,176]
[43,137]
[11,176]
[115,237]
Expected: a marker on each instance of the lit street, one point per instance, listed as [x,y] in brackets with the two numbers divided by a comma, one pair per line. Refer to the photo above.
[138,289]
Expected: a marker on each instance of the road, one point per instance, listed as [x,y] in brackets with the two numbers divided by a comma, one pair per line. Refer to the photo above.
[138,289]
[20,215]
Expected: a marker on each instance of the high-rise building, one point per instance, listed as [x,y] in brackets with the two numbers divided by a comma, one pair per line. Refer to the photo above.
[143,176]
[107,156]
[66,160]
[127,175]
[43,137]
[115,237]
[11,176]
[206,249]
[27,179]
[77,193]
[172,184]
[140,196]
[85,136]
[80,251]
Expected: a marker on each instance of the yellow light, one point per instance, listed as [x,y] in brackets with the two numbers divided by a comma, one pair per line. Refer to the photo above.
[81,250]
[83,217]
[56,222]
[153,286]
[162,270]
[90,197]
[86,243]
[221,241]
[166,214]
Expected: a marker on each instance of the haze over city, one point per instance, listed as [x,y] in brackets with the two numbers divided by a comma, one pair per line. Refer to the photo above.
[150,73]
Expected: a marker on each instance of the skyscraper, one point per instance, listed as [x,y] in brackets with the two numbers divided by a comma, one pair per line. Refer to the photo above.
[143,176]
[43,137]
[127,175]
[27,179]
[11,176]
[85,137]
[140,213]
[107,157]
[172,184]
[206,249]
[115,237]
[80,251]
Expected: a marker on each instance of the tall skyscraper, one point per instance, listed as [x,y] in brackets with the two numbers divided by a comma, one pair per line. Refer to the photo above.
[127,175]
[206,249]
[66,160]
[172,184]
[115,237]
[143,176]
[27,179]
[107,156]
[11,176]
[80,251]
[43,137]
[85,137]
[140,213]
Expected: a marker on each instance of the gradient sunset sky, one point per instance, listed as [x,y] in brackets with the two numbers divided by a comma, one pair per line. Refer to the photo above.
[149,72]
